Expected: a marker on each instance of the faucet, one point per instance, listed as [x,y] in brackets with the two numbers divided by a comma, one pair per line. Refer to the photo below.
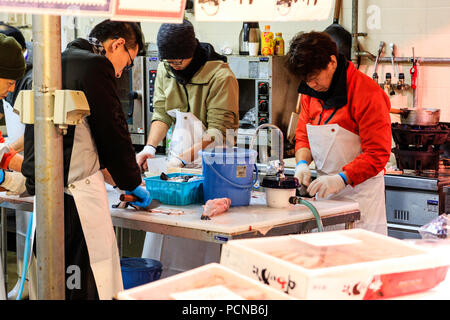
[401,85]
[280,167]
[388,84]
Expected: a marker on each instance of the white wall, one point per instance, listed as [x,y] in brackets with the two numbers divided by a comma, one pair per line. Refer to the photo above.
[422,24]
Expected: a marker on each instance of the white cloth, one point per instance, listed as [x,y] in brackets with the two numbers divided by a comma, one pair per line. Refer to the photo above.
[14,127]
[92,204]
[333,147]
[174,163]
[14,182]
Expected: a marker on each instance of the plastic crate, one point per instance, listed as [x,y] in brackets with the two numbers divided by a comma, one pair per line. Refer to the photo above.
[175,193]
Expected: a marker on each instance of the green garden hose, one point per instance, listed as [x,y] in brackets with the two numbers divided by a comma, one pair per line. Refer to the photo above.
[299,200]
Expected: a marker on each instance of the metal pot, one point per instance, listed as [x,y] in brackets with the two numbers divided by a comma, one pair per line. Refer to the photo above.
[419,116]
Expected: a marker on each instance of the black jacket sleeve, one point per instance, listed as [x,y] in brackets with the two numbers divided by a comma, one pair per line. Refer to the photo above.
[108,125]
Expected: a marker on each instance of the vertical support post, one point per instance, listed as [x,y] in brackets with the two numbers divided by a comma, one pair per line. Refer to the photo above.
[354,51]
[4,241]
[48,159]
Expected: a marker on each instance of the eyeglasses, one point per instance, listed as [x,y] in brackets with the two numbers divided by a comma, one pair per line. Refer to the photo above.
[177,62]
[128,67]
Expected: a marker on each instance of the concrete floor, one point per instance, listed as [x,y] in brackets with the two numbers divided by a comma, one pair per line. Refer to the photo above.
[12,270]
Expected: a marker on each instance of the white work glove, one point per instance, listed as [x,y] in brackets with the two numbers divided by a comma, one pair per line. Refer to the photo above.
[175,162]
[303,174]
[326,185]
[14,182]
[4,148]
[141,157]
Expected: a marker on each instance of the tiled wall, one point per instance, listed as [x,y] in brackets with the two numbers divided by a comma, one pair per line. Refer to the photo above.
[422,24]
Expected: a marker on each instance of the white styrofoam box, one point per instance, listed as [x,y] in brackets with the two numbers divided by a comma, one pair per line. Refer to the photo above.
[209,282]
[345,264]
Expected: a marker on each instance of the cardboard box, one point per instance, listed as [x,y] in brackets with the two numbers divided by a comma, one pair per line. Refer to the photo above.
[209,282]
[347,264]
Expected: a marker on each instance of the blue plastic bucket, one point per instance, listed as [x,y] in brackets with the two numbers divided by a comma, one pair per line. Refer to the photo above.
[228,173]
[139,271]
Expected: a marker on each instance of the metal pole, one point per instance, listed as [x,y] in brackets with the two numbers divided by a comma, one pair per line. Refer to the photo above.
[354,51]
[48,159]
[4,246]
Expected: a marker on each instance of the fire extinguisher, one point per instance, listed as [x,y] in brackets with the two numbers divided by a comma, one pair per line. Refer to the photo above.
[413,72]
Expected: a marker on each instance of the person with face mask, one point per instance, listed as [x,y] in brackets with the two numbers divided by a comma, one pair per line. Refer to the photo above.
[191,78]
[344,126]
[100,141]
[15,128]
[12,68]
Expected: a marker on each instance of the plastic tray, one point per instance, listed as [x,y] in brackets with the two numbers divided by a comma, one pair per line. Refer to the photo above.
[175,193]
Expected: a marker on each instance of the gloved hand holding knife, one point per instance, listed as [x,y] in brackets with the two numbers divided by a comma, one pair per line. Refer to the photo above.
[323,186]
[143,196]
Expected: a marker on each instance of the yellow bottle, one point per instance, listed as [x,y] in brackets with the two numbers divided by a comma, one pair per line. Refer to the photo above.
[267,42]
[279,44]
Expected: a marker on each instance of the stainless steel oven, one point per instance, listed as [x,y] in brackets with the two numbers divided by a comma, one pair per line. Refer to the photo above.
[136,96]
[267,94]
[413,201]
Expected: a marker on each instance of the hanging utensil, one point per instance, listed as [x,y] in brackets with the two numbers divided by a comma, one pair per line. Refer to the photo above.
[380,50]
[339,34]
[392,46]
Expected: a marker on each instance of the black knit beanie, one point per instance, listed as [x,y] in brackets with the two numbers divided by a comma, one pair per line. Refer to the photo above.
[12,62]
[11,31]
[176,41]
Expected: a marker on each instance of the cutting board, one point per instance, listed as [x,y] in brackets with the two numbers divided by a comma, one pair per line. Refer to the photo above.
[257,216]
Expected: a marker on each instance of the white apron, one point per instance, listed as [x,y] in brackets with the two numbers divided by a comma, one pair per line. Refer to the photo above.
[92,204]
[332,148]
[179,254]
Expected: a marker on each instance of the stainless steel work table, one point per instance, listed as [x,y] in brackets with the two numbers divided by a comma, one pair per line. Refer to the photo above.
[239,222]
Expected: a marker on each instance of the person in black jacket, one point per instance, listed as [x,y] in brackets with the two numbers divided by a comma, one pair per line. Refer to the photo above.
[101,141]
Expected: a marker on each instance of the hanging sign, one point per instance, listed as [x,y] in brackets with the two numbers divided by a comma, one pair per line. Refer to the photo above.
[58,7]
[130,10]
[262,10]
[169,11]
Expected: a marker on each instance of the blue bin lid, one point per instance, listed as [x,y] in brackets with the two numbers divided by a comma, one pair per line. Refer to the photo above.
[139,264]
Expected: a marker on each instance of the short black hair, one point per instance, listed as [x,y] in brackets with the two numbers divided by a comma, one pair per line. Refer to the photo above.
[310,53]
[130,31]
[11,31]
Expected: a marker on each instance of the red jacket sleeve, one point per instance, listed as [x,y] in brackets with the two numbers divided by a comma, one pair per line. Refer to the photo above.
[301,136]
[371,113]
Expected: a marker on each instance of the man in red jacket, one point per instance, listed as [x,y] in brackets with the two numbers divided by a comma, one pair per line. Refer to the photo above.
[344,126]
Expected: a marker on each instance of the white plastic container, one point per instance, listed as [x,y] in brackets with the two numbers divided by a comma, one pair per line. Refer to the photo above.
[349,264]
[279,190]
[209,282]
[279,198]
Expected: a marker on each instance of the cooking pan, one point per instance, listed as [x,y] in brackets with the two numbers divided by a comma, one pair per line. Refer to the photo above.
[418,116]
[342,37]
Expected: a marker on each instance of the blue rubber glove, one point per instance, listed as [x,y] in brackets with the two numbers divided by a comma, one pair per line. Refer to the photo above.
[2,176]
[143,195]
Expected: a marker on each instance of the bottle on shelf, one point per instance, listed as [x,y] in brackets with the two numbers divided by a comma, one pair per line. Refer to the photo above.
[279,44]
[267,43]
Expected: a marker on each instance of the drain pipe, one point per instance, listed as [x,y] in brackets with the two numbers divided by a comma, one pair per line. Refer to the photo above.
[49,201]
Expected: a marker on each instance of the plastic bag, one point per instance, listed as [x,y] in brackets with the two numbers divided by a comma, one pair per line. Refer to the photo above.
[187,132]
[436,228]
